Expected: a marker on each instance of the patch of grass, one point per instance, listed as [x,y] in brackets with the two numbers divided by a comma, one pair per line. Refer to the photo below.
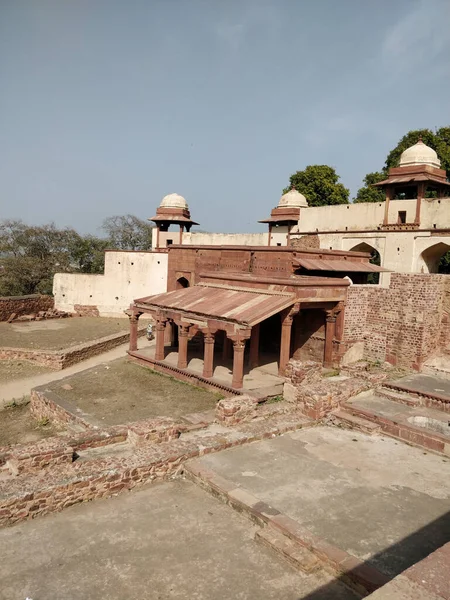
[43,422]
[275,399]
[333,373]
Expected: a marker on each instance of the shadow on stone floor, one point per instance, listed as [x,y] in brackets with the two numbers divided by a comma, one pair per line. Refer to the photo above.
[415,547]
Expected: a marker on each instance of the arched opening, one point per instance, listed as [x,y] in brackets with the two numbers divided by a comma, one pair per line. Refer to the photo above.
[375,259]
[436,259]
[182,282]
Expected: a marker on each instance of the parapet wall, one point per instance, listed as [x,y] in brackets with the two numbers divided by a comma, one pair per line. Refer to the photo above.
[404,324]
[128,275]
[23,305]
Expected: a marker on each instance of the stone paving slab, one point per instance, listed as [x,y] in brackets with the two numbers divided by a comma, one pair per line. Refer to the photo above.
[168,540]
[429,384]
[383,502]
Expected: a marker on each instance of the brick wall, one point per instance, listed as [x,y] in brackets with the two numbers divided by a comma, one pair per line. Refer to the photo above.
[23,305]
[404,324]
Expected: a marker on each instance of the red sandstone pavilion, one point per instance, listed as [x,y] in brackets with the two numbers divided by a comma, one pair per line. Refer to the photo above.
[264,299]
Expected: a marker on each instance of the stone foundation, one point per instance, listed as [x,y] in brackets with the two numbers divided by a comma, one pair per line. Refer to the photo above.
[61,359]
[24,305]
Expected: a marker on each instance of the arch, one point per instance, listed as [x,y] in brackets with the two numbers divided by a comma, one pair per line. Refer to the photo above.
[182,282]
[375,259]
[436,259]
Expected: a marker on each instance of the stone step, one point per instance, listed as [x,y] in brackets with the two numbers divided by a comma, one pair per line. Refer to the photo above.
[401,397]
[354,422]
[299,556]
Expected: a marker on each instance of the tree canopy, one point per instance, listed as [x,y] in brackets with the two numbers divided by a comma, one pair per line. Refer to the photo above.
[320,185]
[438,140]
[31,255]
[128,232]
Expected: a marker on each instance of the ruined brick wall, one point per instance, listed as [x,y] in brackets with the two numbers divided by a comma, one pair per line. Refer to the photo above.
[23,305]
[404,324]
[305,242]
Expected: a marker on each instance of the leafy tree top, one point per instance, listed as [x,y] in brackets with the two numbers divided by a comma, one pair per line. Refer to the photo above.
[438,140]
[320,185]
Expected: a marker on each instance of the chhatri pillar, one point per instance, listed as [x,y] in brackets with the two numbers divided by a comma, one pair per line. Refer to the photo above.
[160,332]
[134,322]
[238,364]
[330,330]
[208,357]
[287,316]
[183,337]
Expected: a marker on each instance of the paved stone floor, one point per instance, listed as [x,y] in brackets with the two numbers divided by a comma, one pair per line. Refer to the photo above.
[426,383]
[374,497]
[167,540]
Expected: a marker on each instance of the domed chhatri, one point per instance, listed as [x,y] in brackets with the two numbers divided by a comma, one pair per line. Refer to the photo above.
[173,210]
[173,201]
[293,199]
[419,154]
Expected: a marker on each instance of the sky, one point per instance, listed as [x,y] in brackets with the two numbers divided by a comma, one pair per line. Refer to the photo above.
[108,105]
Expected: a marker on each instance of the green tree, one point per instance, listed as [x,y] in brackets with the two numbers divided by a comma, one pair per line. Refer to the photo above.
[128,233]
[369,193]
[438,140]
[320,185]
[31,255]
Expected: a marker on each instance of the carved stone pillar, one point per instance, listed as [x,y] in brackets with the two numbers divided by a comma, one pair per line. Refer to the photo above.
[238,364]
[183,336]
[287,316]
[160,332]
[254,347]
[340,316]
[134,322]
[208,357]
[330,329]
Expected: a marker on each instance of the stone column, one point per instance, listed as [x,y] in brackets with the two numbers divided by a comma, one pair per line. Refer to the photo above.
[389,193]
[159,348]
[330,329]
[238,364]
[208,357]
[134,322]
[285,343]
[339,333]
[254,347]
[420,195]
[183,333]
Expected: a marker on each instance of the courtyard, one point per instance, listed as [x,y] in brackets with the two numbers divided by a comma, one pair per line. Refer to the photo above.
[57,334]
[374,498]
[167,540]
[119,392]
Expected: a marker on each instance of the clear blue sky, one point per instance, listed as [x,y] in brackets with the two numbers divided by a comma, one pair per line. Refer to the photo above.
[108,105]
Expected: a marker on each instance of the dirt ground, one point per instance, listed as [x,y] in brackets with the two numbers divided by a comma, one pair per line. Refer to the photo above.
[56,334]
[17,426]
[120,392]
[10,370]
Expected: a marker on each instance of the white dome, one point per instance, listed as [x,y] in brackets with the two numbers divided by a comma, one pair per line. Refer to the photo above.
[292,199]
[173,201]
[419,154]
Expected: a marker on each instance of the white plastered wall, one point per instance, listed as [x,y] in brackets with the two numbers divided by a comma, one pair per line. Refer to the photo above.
[128,275]
[225,239]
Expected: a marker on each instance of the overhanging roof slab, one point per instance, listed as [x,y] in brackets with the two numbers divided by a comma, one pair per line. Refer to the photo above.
[244,306]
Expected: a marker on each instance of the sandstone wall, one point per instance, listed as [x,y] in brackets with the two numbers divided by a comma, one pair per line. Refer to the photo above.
[23,305]
[404,324]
